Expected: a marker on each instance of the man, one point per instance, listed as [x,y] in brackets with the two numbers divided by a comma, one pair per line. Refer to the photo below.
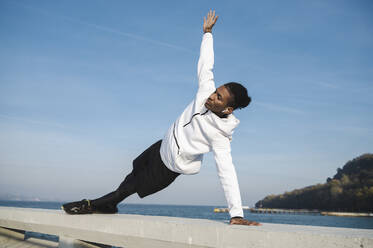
[205,125]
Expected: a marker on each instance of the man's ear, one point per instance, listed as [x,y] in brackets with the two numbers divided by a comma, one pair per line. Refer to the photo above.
[228,110]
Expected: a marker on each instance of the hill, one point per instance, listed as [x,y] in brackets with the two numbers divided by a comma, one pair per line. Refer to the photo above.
[351,189]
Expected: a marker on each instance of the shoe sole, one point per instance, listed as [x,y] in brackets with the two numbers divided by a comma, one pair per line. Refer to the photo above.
[71,212]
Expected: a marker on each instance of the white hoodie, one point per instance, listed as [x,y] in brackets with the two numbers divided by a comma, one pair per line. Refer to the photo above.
[198,131]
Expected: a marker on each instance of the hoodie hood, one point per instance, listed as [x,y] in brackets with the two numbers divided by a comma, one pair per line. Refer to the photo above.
[225,125]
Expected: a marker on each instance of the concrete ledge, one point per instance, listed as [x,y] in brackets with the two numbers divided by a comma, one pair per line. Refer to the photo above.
[154,231]
[12,238]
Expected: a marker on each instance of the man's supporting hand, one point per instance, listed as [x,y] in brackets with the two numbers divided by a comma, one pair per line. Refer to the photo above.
[209,22]
[242,221]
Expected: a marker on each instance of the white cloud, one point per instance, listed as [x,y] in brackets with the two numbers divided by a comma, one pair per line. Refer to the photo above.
[279,108]
[106,29]
[31,121]
[327,85]
[354,130]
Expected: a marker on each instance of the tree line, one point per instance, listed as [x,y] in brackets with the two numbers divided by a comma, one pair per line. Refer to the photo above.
[351,189]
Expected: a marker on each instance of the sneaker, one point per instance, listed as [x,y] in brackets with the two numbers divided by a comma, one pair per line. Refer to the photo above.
[78,207]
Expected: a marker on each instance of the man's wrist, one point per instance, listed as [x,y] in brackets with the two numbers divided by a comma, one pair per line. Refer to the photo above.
[237,217]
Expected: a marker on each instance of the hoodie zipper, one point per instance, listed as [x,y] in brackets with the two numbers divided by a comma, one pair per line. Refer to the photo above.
[173,131]
[177,143]
[193,116]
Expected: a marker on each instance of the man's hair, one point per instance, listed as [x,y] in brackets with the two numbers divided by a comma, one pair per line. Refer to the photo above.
[240,99]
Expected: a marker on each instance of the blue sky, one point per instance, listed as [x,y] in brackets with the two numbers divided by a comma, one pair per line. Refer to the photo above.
[86,86]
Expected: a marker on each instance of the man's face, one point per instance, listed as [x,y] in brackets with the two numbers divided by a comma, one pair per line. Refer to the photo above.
[218,101]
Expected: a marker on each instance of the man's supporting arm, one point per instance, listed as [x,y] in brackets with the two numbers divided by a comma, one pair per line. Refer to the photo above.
[228,179]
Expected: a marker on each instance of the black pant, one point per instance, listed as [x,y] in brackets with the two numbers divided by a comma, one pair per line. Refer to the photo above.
[149,175]
[125,189]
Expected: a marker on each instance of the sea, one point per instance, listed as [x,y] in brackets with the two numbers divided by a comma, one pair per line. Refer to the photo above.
[207,212]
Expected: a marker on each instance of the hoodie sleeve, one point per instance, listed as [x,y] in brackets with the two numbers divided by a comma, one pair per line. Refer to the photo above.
[206,64]
[228,177]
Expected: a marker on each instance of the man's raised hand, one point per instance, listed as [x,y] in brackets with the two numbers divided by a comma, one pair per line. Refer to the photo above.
[209,21]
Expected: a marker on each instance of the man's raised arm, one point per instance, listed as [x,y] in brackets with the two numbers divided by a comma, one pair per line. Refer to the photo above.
[206,58]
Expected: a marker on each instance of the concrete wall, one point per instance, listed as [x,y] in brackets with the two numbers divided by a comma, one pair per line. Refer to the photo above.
[137,231]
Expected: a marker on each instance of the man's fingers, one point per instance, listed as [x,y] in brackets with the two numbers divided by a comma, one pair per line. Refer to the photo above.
[212,14]
[253,223]
[216,18]
[210,19]
[244,222]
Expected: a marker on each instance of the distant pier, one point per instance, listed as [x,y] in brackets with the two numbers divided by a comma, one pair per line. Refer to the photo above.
[283,211]
[346,214]
[225,210]
[296,211]
[271,211]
